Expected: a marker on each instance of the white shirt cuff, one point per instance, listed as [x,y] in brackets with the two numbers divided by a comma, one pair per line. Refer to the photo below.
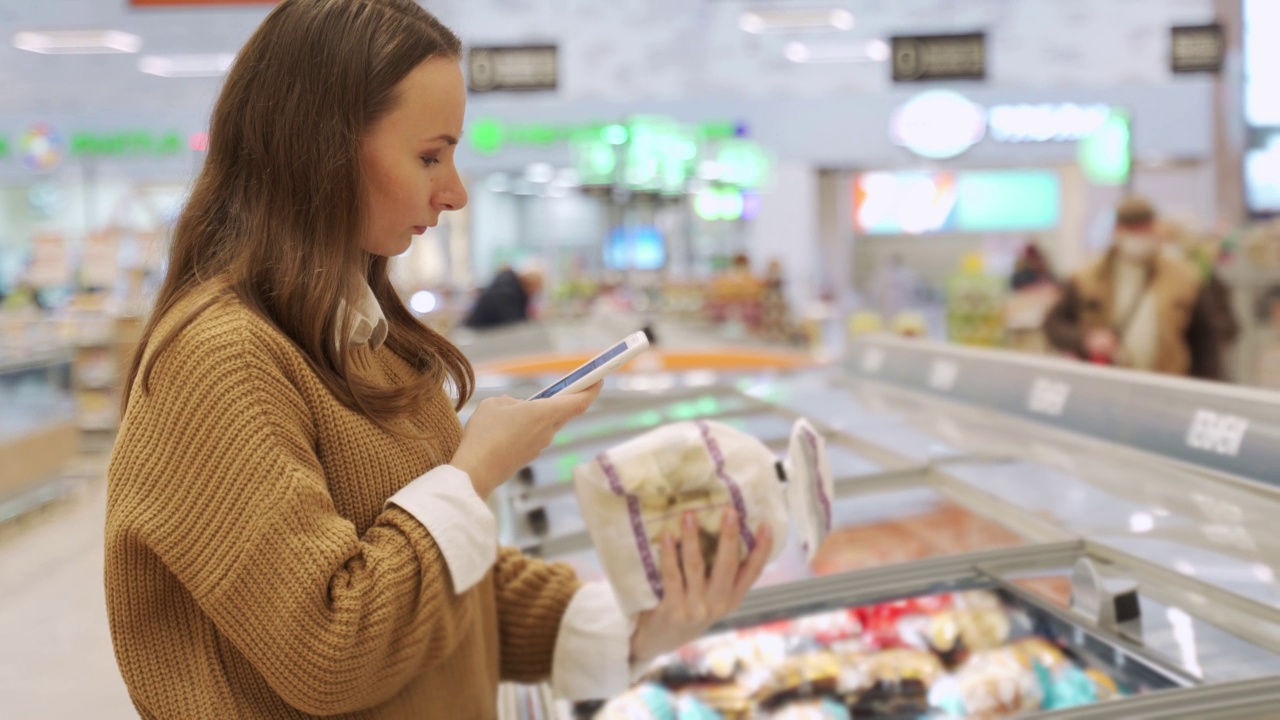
[464,528]
[593,649]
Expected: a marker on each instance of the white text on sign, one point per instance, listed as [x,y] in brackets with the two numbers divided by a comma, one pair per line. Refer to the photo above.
[943,375]
[1218,433]
[872,361]
[1048,397]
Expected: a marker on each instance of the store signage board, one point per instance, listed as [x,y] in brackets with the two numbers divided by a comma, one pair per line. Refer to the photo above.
[42,147]
[942,124]
[1046,122]
[1197,49]
[1211,425]
[488,136]
[520,68]
[925,58]
[938,124]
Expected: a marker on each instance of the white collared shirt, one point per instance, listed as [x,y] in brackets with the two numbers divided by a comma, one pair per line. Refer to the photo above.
[368,323]
[593,647]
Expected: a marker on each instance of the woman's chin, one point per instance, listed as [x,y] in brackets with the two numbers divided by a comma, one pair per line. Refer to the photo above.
[391,248]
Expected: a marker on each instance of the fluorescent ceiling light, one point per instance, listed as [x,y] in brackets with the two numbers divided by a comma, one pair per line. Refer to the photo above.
[873,51]
[186,66]
[765,21]
[77,42]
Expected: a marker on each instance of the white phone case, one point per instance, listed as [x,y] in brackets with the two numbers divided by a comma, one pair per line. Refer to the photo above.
[595,369]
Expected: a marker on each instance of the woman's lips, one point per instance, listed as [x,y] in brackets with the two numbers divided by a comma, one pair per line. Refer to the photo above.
[419,229]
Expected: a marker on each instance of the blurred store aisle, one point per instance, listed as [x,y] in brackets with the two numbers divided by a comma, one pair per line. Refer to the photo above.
[56,660]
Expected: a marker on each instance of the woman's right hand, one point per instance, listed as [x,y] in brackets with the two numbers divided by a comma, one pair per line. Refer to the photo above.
[505,434]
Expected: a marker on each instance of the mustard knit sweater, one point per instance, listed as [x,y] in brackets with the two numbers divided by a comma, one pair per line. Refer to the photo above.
[252,571]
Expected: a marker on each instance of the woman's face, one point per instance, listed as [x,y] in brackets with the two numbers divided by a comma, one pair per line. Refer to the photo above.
[408,158]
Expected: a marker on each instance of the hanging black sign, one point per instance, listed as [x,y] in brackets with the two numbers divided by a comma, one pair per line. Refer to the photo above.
[1197,49]
[918,58]
[532,67]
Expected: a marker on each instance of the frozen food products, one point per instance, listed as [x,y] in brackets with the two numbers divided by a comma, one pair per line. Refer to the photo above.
[812,675]
[995,684]
[644,702]
[874,662]
[904,664]
[634,494]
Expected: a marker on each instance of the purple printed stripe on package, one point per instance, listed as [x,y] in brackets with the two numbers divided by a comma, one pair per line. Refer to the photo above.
[637,525]
[735,493]
[817,477]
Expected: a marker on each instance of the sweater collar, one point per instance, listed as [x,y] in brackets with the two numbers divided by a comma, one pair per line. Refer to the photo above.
[368,323]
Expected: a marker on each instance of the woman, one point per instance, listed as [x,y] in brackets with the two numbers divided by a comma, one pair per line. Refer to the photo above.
[296,522]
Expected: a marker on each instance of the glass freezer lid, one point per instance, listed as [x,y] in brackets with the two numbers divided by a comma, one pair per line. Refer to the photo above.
[1162,516]
[815,396]
[649,415]
[901,526]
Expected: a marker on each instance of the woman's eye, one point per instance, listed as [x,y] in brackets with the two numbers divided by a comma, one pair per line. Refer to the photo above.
[430,161]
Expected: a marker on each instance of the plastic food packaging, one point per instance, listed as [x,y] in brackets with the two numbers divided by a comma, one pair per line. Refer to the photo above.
[644,702]
[995,684]
[633,494]
[808,676]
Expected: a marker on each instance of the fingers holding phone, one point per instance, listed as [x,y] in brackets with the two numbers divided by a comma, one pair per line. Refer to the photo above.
[505,434]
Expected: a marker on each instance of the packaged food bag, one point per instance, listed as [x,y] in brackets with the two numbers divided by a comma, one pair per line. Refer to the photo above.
[632,494]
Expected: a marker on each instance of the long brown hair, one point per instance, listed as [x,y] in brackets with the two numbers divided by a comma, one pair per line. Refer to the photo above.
[277,211]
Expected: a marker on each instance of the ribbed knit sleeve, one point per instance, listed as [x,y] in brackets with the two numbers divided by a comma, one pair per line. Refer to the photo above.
[215,476]
[532,596]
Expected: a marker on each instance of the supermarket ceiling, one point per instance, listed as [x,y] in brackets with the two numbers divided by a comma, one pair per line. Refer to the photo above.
[629,50]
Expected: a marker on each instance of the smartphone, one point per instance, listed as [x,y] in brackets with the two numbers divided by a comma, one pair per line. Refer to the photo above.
[595,369]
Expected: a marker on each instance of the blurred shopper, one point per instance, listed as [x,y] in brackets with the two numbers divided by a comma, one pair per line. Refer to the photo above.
[508,298]
[775,311]
[296,520]
[1179,242]
[1032,269]
[1137,307]
[1035,293]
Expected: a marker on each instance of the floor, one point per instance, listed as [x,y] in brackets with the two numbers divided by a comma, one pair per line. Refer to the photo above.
[55,648]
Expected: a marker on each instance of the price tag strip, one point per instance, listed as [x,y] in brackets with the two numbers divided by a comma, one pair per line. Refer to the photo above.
[943,375]
[1048,397]
[1217,433]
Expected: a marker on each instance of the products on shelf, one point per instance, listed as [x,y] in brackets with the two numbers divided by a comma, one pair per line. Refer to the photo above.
[965,654]
[976,305]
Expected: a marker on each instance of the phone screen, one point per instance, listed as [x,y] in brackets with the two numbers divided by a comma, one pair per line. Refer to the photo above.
[581,372]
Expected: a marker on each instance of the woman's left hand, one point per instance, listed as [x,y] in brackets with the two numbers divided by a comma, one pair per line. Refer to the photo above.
[691,601]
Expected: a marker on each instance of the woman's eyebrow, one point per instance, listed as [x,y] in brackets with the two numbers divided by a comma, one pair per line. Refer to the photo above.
[444,137]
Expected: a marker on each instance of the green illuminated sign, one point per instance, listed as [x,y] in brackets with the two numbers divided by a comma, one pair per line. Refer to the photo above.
[117,144]
[489,136]
[1105,154]
[43,139]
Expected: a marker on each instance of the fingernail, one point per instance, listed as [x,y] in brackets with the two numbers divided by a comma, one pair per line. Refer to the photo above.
[690,521]
[731,516]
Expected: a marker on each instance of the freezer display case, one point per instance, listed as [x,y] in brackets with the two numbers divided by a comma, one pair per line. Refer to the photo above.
[1007,540]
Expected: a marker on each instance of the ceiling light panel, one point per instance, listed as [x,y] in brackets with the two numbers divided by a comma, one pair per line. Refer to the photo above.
[872,51]
[77,42]
[759,22]
[186,66]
